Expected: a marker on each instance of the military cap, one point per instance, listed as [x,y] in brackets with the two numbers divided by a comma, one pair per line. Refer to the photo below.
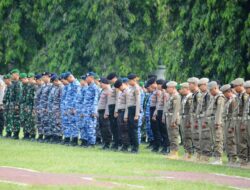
[152,76]
[151,81]
[172,84]
[146,85]
[184,85]
[46,74]
[238,81]
[225,88]
[67,74]
[83,77]
[247,84]
[14,71]
[62,76]
[7,76]
[30,75]
[203,81]
[141,83]
[125,80]
[193,80]
[164,85]
[118,83]
[212,84]
[54,77]
[160,81]
[38,76]
[104,80]
[132,76]
[23,75]
[178,86]
[90,74]
[111,76]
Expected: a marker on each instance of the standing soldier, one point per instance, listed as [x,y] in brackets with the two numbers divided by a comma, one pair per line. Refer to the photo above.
[2,89]
[56,127]
[37,99]
[196,131]
[24,115]
[247,116]
[90,111]
[43,107]
[6,105]
[112,101]
[230,124]
[132,111]
[71,97]
[121,106]
[103,113]
[171,112]
[30,107]
[241,99]
[79,110]
[213,139]
[185,120]
[15,101]
[140,121]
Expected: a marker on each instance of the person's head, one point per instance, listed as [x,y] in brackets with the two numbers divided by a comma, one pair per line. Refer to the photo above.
[193,84]
[38,78]
[120,85]
[203,84]
[152,84]
[104,83]
[132,79]
[83,81]
[247,87]
[23,78]
[46,77]
[184,89]
[171,87]
[69,77]
[15,74]
[112,77]
[213,88]
[55,80]
[7,79]
[159,83]
[227,91]
[238,85]
[31,78]
[90,77]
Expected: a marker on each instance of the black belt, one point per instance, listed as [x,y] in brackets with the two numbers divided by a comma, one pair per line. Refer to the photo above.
[121,110]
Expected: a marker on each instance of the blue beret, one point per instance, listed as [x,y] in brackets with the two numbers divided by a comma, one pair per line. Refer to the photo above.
[54,77]
[67,74]
[90,74]
[151,81]
[131,76]
[125,80]
[46,74]
[38,76]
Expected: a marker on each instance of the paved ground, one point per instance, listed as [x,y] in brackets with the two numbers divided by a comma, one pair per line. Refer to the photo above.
[30,177]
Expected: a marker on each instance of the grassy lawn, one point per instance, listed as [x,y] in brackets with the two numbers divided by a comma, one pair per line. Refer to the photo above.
[62,159]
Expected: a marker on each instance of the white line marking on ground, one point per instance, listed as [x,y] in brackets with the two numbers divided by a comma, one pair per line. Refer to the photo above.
[129,185]
[12,182]
[25,169]
[87,178]
[239,177]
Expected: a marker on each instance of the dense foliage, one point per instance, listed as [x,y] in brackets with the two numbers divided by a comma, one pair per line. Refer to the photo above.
[203,38]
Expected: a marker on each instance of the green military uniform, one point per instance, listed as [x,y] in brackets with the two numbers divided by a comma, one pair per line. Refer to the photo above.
[6,105]
[230,126]
[14,106]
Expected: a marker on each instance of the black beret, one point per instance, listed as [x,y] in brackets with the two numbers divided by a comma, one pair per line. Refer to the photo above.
[38,76]
[104,80]
[160,81]
[131,76]
[54,77]
[111,76]
[46,74]
[146,85]
[164,85]
[151,81]
[118,83]
[152,76]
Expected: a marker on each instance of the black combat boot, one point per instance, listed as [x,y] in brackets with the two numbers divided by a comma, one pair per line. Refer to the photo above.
[25,136]
[106,146]
[8,135]
[59,139]
[16,135]
[74,141]
[40,138]
[32,138]
[66,141]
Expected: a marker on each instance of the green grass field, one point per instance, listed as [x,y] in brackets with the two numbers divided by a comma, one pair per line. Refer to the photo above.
[62,159]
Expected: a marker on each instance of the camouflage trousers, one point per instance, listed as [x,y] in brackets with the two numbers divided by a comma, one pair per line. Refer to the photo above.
[1,121]
[196,133]
[15,120]
[242,138]
[247,120]
[173,133]
[185,127]
[38,121]
[230,141]
[7,121]
[56,123]
[90,129]
[27,121]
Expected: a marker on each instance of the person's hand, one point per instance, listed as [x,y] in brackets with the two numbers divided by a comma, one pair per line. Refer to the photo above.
[125,120]
[106,116]
[115,114]
[154,117]
[136,118]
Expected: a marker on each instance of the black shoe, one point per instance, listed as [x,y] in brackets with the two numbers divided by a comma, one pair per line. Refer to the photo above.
[124,149]
[83,143]
[40,139]
[66,141]
[105,146]
[47,139]
[91,146]
[114,147]
[25,136]
[134,150]
[164,151]
[8,135]
[74,141]
[32,138]
[16,136]
[155,149]
[150,145]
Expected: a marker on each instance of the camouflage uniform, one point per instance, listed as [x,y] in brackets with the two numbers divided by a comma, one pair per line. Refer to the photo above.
[24,114]
[15,101]
[90,112]
[64,115]
[140,121]
[38,111]
[7,112]
[246,120]
[147,119]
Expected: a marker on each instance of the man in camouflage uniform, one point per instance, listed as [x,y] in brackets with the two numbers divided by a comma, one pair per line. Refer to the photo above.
[6,104]
[230,124]
[171,112]
[90,111]
[43,108]
[24,114]
[185,123]
[213,139]
[241,98]
[37,98]
[246,118]
[15,101]
[196,131]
